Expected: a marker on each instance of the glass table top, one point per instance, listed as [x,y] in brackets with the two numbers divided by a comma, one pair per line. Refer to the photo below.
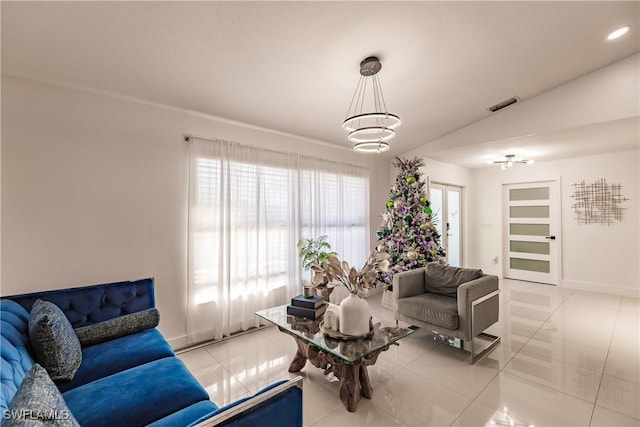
[348,350]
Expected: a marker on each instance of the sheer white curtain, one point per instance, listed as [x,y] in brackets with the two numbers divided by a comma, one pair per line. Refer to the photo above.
[247,209]
[335,201]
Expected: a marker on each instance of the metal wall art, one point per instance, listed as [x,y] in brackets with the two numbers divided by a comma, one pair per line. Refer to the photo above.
[598,202]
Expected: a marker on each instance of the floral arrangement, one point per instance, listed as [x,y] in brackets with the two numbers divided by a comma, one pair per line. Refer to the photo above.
[357,283]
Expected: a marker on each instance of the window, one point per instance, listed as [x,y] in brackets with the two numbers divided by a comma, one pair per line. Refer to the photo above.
[247,209]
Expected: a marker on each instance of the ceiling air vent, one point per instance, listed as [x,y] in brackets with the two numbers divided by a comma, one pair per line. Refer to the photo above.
[504,104]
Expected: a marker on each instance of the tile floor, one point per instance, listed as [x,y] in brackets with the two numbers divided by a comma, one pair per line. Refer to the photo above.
[567,358]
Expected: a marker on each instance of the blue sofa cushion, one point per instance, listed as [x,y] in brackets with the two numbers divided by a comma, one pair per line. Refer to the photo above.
[55,344]
[117,355]
[14,350]
[118,327]
[187,415]
[141,395]
[38,403]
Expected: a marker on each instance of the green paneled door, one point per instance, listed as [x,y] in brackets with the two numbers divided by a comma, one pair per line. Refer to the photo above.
[529,265]
[529,229]
[530,245]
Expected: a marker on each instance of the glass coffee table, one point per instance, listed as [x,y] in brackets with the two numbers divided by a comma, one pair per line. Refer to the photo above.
[346,359]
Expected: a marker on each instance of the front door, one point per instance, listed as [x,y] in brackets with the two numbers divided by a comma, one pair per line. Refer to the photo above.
[530,232]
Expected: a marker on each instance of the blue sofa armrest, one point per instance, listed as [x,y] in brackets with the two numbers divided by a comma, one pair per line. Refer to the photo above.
[280,404]
[93,304]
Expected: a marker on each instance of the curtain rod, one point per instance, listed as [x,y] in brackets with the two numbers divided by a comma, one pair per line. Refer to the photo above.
[187,138]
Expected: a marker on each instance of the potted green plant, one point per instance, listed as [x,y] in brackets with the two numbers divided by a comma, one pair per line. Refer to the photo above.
[315,252]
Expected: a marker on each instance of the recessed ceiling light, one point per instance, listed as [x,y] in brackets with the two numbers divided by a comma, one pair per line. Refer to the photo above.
[619,32]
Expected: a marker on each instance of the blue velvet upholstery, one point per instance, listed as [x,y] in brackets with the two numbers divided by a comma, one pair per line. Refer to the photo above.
[38,403]
[141,395]
[53,340]
[133,380]
[92,304]
[203,409]
[284,411]
[117,355]
[14,350]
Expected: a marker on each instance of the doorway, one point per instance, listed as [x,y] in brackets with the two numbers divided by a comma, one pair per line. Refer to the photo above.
[530,242]
[446,204]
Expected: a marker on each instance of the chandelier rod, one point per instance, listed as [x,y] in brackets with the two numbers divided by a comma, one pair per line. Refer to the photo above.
[354,96]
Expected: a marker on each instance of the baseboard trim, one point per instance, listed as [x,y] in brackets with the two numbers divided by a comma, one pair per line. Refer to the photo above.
[600,288]
[178,342]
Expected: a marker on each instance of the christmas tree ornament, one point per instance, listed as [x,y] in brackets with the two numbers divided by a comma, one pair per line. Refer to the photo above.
[390,204]
[410,179]
[423,199]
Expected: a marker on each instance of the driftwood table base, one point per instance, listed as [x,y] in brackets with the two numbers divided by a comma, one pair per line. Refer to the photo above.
[346,359]
[354,378]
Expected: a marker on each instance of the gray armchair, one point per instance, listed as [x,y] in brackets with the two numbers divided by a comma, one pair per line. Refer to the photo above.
[455,302]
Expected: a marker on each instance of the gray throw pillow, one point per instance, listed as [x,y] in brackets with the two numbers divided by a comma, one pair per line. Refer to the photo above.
[445,279]
[38,402]
[55,344]
[118,327]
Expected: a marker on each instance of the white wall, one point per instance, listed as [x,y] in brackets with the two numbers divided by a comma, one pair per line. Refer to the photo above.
[94,190]
[594,257]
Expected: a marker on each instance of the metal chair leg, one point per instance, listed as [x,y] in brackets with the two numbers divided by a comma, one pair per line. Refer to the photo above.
[493,342]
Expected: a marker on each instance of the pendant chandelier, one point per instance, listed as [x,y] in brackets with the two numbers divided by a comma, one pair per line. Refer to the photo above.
[368,121]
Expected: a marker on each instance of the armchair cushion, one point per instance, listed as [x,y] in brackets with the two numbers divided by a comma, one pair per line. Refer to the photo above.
[435,309]
[445,279]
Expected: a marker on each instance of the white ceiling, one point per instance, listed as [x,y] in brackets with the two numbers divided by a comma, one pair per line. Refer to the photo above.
[293,66]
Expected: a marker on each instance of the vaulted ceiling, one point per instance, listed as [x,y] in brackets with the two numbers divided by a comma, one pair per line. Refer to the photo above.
[293,66]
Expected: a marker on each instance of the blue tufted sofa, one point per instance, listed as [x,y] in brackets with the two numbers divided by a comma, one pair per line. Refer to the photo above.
[133,380]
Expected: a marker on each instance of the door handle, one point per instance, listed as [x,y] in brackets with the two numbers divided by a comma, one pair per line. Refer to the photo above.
[551,237]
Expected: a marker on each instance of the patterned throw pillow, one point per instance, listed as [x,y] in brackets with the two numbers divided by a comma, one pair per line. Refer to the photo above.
[38,402]
[118,327]
[53,340]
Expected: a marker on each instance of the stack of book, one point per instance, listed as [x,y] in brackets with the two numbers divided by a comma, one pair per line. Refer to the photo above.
[311,308]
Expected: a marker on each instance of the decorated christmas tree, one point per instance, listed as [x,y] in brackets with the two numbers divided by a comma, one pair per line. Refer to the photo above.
[407,232]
